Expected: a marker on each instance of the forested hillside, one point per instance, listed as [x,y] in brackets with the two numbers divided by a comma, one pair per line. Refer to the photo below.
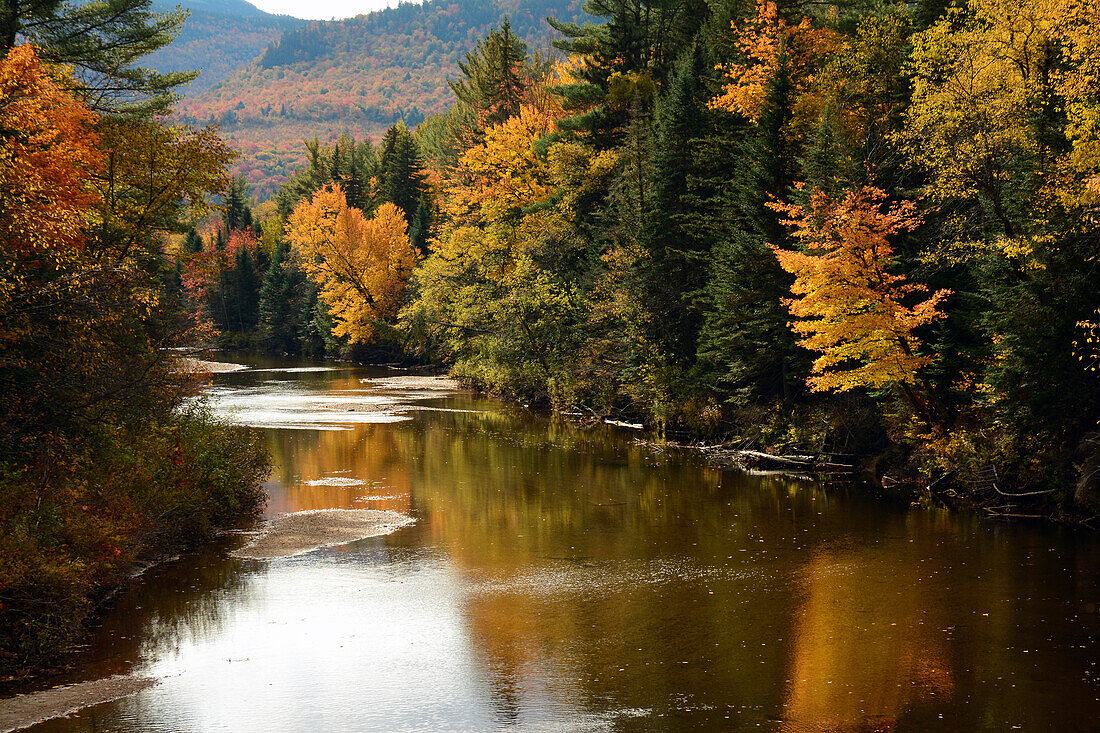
[359,75]
[217,40]
[865,232]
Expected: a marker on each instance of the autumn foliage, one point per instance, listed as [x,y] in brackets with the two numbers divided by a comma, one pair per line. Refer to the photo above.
[101,463]
[47,152]
[360,265]
[848,305]
[770,46]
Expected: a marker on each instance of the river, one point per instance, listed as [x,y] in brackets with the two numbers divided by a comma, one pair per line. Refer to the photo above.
[569,578]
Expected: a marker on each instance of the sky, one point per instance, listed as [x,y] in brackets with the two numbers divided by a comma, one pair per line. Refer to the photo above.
[321,9]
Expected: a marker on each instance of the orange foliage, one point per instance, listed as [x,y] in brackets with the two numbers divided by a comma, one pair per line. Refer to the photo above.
[769,45]
[849,305]
[360,265]
[46,153]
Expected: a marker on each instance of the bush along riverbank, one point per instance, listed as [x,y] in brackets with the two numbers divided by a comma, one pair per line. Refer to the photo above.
[73,530]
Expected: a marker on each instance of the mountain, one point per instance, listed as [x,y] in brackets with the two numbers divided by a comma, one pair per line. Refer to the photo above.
[219,38]
[358,75]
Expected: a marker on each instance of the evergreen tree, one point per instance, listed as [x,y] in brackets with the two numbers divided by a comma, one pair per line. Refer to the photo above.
[421,226]
[746,349]
[101,42]
[495,77]
[245,284]
[192,241]
[402,180]
[278,322]
[237,214]
[631,50]
[678,250]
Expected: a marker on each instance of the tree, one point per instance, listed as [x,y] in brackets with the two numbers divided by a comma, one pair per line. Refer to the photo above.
[1000,90]
[361,266]
[237,214]
[47,150]
[496,77]
[497,179]
[627,55]
[678,251]
[100,40]
[770,48]
[155,178]
[402,180]
[849,304]
[354,166]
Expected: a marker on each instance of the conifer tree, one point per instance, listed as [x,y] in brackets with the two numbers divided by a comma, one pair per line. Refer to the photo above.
[402,180]
[678,251]
[101,41]
[496,77]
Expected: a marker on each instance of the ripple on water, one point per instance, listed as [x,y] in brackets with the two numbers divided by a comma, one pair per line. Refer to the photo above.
[584,578]
[335,481]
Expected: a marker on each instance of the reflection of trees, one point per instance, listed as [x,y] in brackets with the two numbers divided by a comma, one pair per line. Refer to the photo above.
[599,574]
[370,453]
[867,645]
[191,601]
[597,569]
[169,604]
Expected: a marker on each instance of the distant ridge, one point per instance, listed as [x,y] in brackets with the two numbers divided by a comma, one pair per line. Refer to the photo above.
[219,38]
[221,7]
[359,74]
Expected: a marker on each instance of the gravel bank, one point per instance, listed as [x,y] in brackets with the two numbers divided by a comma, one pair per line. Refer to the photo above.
[300,532]
[24,711]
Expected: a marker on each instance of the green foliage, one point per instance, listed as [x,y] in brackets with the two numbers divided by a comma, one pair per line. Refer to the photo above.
[401,177]
[101,40]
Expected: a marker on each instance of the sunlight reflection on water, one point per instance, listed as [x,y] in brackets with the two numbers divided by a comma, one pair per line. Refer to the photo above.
[561,578]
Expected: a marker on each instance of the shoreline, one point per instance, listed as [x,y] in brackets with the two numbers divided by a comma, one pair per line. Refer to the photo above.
[32,708]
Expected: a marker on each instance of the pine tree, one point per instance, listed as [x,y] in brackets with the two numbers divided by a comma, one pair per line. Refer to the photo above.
[496,77]
[633,48]
[421,226]
[402,180]
[746,350]
[101,42]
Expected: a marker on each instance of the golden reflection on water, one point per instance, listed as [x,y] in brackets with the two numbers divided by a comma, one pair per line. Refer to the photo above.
[566,578]
[866,644]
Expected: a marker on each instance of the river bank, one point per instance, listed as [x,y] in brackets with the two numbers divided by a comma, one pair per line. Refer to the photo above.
[76,533]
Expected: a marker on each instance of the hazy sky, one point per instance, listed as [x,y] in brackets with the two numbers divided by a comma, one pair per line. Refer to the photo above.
[321,9]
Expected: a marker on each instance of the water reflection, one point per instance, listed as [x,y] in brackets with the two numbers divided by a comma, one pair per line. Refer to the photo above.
[561,578]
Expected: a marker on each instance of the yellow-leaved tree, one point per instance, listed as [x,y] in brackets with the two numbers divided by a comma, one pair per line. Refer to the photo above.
[848,305]
[992,82]
[361,266]
[497,179]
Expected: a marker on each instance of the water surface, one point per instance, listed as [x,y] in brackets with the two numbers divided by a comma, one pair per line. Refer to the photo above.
[562,578]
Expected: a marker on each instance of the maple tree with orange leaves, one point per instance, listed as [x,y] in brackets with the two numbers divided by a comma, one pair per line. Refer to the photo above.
[848,305]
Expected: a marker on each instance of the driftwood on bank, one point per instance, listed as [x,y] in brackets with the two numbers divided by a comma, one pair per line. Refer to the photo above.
[805,463]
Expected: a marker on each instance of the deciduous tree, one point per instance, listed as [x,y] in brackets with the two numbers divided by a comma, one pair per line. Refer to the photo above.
[360,265]
[848,304]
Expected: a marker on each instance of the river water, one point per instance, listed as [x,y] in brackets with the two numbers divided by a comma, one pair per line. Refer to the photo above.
[563,578]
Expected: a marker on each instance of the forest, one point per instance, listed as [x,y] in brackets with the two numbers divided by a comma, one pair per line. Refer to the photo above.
[863,230]
[107,462]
